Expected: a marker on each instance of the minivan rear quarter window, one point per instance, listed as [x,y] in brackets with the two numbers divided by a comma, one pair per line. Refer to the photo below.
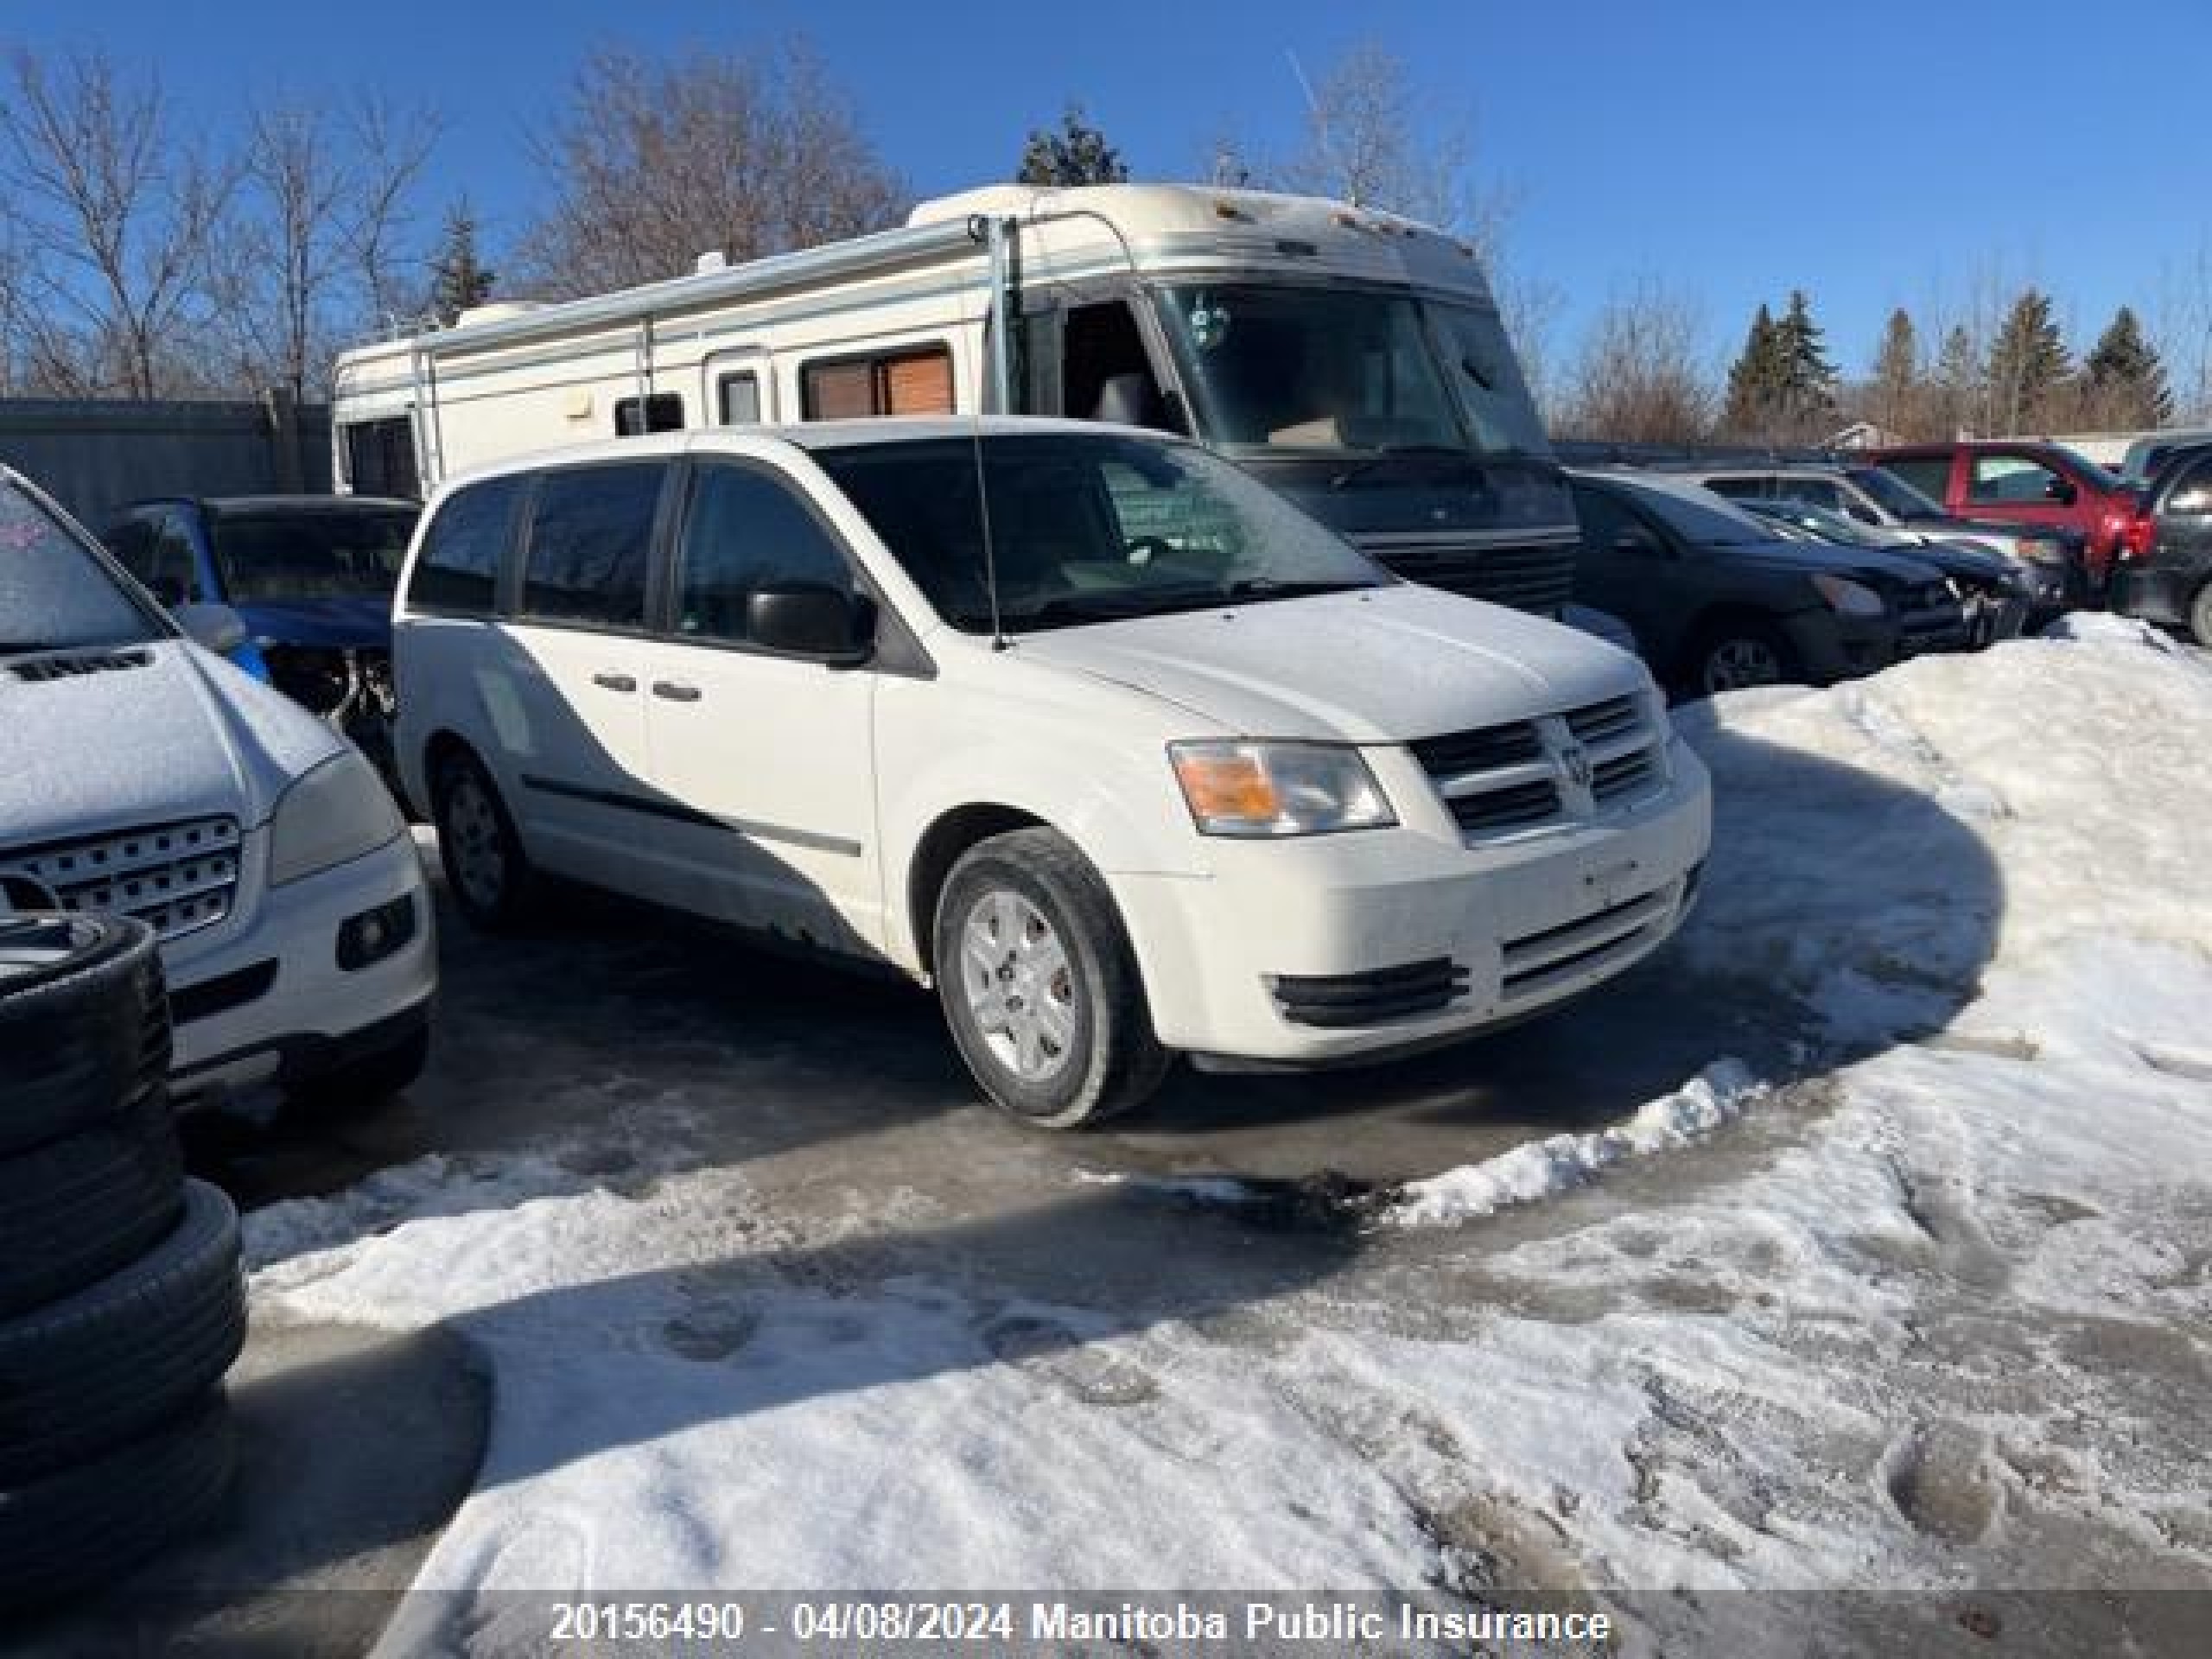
[591,535]
[458,571]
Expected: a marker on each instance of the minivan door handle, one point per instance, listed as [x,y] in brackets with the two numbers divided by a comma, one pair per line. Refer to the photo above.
[616,682]
[676,691]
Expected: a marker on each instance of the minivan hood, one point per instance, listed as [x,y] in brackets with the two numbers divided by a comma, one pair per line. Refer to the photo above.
[1378,665]
[354,620]
[177,733]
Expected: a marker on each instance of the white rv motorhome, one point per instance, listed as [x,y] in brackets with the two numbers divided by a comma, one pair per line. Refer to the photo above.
[1354,360]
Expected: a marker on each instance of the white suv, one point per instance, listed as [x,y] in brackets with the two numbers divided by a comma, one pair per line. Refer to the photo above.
[1116,747]
[141,774]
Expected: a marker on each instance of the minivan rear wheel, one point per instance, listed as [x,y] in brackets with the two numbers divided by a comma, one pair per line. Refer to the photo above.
[1039,985]
[486,871]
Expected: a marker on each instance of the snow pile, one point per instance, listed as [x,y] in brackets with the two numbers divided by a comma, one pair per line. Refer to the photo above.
[1879,1334]
[1540,1169]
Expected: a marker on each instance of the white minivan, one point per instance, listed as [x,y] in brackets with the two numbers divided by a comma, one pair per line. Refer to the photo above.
[1122,751]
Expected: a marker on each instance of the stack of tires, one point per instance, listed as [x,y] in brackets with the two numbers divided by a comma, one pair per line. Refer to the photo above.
[121,1299]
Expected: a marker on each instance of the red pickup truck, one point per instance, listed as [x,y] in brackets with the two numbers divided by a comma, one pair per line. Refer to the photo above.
[2027,483]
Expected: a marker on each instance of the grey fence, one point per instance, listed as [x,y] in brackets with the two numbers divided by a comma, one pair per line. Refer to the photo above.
[94,455]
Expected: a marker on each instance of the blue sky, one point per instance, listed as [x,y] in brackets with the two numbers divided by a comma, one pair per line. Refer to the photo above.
[1876,154]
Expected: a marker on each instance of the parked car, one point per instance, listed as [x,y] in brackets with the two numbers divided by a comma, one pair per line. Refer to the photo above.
[312,575]
[1996,592]
[140,774]
[2147,455]
[2170,582]
[1141,761]
[2051,558]
[1719,601]
[2022,482]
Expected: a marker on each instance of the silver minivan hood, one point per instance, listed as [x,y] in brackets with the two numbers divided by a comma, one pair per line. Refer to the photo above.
[1380,665]
[169,733]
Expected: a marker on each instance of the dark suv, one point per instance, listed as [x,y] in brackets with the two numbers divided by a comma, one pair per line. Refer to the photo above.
[312,577]
[1718,601]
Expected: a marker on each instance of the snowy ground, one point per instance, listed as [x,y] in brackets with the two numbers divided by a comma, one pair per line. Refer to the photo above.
[1905,1293]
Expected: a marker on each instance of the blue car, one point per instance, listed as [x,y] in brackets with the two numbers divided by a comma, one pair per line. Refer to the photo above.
[311,576]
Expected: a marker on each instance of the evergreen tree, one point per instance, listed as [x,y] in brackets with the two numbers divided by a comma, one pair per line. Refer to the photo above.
[2027,363]
[1077,154]
[1895,382]
[1808,377]
[1755,379]
[458,278]
[2127,383]
[1959,382]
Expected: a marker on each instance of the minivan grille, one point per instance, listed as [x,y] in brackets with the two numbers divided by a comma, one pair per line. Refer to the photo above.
[1497,779]
[177,878]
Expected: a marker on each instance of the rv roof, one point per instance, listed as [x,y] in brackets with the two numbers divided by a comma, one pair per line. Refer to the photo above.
[1147,208]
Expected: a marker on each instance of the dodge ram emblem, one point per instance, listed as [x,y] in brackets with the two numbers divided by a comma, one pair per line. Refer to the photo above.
[1574,764]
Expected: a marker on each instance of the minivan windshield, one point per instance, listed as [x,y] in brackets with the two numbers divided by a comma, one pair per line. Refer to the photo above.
[54,593]
[1347,370]
[323,553]
[1085,528]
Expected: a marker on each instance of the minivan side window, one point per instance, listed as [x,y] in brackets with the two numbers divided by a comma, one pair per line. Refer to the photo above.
[458,571]
[746,531]
[591,537]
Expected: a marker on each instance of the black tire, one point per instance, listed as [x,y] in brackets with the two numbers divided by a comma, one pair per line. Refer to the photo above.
[2200,615]
[371,1081]
[1732,652]
[498,894]
[76,1210]
[1110,1060]
[113,1361]
[84,1023]
[79,1529]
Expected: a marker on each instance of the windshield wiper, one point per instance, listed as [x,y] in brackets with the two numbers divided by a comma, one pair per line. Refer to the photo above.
[1272,588]
[1393,453]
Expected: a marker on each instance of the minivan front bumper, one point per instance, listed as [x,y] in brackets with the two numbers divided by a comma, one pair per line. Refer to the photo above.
[335,968]
[1363,945]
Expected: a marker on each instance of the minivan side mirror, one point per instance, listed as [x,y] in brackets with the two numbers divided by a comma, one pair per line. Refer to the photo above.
[217,628]
[810,619]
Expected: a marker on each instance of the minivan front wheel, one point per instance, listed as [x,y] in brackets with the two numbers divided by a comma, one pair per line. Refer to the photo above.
[485,869]
[1040,986]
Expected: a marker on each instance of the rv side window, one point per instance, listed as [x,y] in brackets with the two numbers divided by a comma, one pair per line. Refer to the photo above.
[738,396]
[913,382]
[591,535]
[458,571]
[663,411]
[1108,376]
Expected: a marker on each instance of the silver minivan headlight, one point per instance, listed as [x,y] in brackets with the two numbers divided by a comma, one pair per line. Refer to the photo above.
[338,811]
[1243,788]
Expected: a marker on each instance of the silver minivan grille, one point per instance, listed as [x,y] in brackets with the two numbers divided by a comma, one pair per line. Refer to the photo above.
[177,878]
[1556,768]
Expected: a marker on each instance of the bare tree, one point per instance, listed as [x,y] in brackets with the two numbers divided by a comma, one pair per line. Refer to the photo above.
[118,213]
[1640,378]
[656,162]
[392,146]
[1373,140]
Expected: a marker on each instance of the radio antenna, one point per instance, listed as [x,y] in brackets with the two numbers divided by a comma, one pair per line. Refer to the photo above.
[992,232]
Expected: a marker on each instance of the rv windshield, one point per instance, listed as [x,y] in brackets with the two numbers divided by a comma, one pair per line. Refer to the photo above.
[1348,371]
[1086,529]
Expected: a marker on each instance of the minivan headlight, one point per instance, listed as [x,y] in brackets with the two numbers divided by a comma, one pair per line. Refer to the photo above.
[338,811]
[1849,598]
[1266,789]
